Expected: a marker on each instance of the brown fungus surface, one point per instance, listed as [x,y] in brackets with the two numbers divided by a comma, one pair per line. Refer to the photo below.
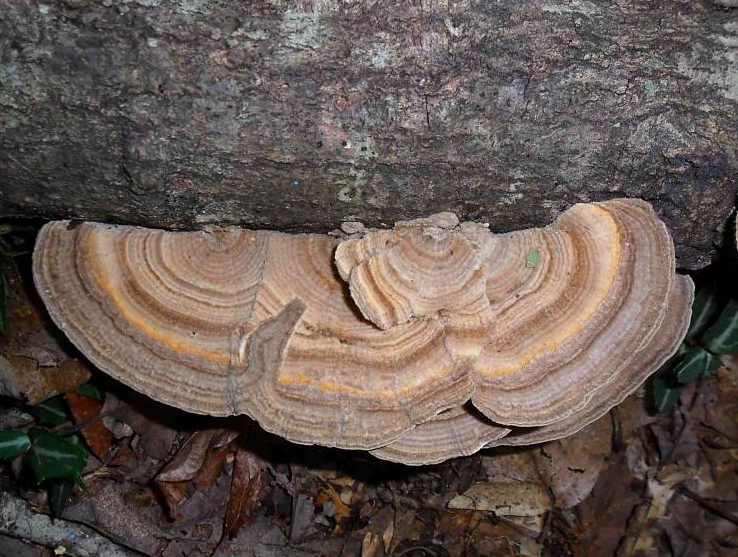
[423,342]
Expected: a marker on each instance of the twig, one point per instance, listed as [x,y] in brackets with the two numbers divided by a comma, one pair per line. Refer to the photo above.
[708,506]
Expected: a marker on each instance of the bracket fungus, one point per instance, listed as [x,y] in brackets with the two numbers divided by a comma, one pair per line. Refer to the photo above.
[420,343]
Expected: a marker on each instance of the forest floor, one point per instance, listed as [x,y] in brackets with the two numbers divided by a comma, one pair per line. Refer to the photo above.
[161,482]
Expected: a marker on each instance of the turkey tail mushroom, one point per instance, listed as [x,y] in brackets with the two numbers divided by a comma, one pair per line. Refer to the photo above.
[423,342]
[185,318]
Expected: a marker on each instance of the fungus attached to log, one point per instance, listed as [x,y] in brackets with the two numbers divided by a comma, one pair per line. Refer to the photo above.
[423,342]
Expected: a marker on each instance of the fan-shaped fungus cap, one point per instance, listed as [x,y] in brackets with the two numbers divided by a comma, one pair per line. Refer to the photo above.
[529,327]
[464,431]
[459,431]
[232,321]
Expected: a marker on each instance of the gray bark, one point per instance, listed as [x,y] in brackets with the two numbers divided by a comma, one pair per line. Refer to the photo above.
[299,114]
[18,520]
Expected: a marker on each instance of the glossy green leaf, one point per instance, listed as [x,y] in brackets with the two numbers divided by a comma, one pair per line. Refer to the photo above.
[13,442]
[666,367]
[664,395]
[51,411]
[696,363]
[705,309]
[88,389]
[52,456]
[59,492]
[75,439]
[722,337]
[3,302]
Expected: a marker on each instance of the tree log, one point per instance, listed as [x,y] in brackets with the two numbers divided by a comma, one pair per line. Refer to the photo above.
[300,114]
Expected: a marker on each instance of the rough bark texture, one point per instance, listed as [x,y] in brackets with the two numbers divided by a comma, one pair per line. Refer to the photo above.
[297,114]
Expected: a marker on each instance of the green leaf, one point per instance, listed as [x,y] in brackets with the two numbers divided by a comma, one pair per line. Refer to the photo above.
[705,308]
[696,363]
[681,351]
[75,439]
[52,456]
[88,389]
[13,443]
[664,395]
[533,258]
[722,337]
[3,302]
[51,411]
[59,492]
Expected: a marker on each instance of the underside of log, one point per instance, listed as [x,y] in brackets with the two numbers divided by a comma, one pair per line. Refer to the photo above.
[298,114]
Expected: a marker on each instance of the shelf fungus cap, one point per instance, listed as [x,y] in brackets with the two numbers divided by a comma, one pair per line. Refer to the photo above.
[422,342]
[231,321]
[420,268]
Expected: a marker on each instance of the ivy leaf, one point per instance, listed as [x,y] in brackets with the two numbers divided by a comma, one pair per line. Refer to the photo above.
[59,493]
[696,363]
[52,456]
[722,337]
[664,395]
[705,307]
[3,302]
[13,442]
[88,389]
[51,412]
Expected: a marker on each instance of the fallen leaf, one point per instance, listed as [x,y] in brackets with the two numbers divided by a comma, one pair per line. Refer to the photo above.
[44,347]
[302,517]
[210,470]
[189,459]
[224,437]
[571,465]
[329,495]
[124,453]
[30,350]
[109,508]
[174,493]
[245,490]
[515,466]
[504,498]
[144,416]
[370,544]
[83,409]
[605,513]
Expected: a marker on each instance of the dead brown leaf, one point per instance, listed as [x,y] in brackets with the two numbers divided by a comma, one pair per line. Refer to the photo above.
[124,453]
[510,465]
[189,459]
[83,409]
[245,491]
[34,364]
[504,498]
[174,493]
[138,412]
[605,513]
[210,470]
[571,465]
[328,494]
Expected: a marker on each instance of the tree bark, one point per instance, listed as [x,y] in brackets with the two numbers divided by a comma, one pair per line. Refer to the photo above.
[299,114]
